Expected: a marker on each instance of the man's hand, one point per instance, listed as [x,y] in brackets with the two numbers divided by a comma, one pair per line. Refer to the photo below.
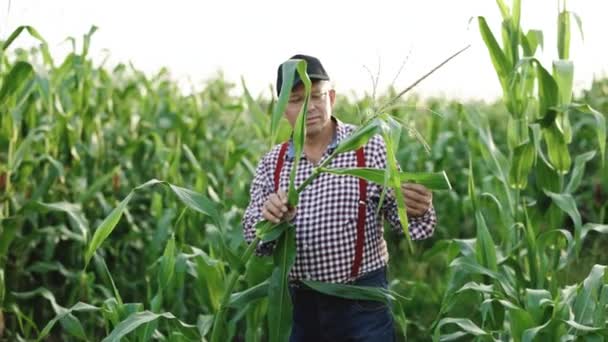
[275,208]
[418,199]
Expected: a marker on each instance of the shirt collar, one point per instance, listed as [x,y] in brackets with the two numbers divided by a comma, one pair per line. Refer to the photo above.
[339,134]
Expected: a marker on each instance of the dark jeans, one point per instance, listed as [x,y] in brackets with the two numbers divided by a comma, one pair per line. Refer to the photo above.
[320,317]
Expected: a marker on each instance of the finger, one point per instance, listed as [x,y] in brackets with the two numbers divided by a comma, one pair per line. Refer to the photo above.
[277,202]
[419,188]
[282,196]
[274,209]
[414,212]
[269,216]
[416,197]
[418,207]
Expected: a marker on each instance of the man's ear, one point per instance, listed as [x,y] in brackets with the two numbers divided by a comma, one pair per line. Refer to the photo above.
[332,97]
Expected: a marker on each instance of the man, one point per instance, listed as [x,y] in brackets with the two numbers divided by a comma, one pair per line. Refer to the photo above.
[339,237]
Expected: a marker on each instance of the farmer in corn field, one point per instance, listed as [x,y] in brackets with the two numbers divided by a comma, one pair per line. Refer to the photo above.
[339,237]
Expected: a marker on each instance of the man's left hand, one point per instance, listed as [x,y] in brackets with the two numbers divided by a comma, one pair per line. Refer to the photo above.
[418,199]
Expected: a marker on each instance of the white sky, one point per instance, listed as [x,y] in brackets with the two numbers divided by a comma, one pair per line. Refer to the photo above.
[251,38]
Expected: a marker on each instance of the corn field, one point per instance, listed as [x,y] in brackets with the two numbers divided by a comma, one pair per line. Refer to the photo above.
[121,201]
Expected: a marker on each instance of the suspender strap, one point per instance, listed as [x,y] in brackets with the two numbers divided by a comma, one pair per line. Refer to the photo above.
[360,217]
[279,167]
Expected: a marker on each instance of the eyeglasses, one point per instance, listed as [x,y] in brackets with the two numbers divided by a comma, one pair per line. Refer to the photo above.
[314,97]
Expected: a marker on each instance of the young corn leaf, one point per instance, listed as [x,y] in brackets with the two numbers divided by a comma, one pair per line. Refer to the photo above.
[137,319]
[578,171]
[279,301]
[299,133]
[240,299]
[431,180]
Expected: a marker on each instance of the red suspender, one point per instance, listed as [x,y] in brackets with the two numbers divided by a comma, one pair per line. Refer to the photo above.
[361,206]
[360,217]
[279,167]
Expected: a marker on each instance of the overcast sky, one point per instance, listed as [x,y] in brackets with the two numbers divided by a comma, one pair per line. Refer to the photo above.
[195,39]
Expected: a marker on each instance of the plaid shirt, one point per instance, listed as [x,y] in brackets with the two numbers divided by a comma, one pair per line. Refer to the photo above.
[326,216]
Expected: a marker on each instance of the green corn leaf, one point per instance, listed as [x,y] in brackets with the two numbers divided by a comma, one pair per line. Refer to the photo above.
[536,302]
[563,35]
[299,133]
[137,319]
[599,228]
[465,324]
[499,60]
[559,156]
[105,228]
[578,171]
[196,202]
[600,127]
[21,73]
[167,267]
[588,296]
[431,180]
[485,248]
[279,301]
[289,71]
[359,137]
[524,157]
[352,291]
[268,231]
[531,333]
[72,324]
[240,299]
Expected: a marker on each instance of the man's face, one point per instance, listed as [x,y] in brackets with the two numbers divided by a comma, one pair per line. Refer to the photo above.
[322,98]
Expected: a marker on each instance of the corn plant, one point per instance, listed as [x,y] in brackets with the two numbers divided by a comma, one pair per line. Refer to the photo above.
[518,289]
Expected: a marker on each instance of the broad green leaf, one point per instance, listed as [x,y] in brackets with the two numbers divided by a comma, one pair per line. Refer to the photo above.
[465,324]
[196,201]
[524,157]
[600,127]
[299,133]
[289,71]
[240,299]
[485,248]
[481,288]
[536,301]
[548,95]
[520,321]
[105,228]
[587,298]
[351,291]
[563,35]
[567,203]
[268,231]
[204,324]
[499,60]
[578,171]
[72,325]
[137,319]
[530,334]
[563,73]
[167,266]
[559,156]
[74,212]
[279,301]
[431,180]
[359,137]
[76,328]
[20,74]
[600,228]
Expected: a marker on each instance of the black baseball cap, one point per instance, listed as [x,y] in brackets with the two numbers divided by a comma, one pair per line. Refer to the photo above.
[314,69]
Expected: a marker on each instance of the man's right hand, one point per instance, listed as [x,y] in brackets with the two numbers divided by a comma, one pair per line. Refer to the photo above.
[276,209]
